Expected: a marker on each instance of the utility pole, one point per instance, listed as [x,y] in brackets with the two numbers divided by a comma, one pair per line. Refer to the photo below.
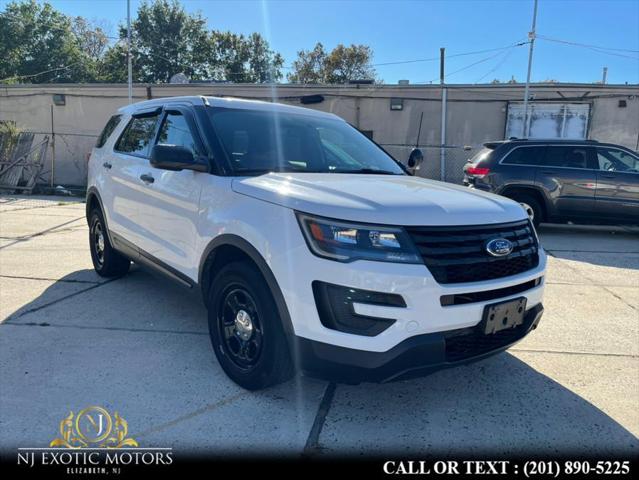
[531,37]
[442,149]
[128,50]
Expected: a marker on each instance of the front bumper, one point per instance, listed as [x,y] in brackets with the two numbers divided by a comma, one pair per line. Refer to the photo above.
[416,356]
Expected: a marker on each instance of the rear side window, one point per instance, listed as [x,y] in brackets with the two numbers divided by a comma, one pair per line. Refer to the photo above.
[137,136]
[525,156]
[113,122]
[569,157]
[483,154]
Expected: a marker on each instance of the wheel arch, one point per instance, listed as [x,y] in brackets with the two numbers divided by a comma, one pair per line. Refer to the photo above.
[537,193]
[229,247]
[94,200]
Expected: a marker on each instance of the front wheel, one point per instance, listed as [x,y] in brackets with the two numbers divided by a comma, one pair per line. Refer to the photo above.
[246,331]
[531,205]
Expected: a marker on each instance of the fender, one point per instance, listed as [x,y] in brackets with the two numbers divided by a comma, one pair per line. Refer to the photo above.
[241,244]
[93,192]
[550,211]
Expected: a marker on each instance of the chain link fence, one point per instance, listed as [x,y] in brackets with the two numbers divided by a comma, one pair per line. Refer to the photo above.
[454,159]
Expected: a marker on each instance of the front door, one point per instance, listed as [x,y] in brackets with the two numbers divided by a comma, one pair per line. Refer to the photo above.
[168,218]
[617,196]
[569,178]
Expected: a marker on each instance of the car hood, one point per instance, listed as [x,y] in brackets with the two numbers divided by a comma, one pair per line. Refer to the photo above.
[380,199]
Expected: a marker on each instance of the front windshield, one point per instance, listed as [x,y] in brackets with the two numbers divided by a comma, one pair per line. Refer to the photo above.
[269,141]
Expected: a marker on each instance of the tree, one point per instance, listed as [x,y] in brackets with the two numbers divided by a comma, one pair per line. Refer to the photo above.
[165,40]
[40,44]
[93,41]
[309,66]
[341,65]
[243,59]
[37,44]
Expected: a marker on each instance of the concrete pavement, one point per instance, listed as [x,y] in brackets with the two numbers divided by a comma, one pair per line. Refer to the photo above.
[139,345]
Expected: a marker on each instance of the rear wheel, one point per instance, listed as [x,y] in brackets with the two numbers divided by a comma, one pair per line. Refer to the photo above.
[107,262]
[531,205]
[245,329]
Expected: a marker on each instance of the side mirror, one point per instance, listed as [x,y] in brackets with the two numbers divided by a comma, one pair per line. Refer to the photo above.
[174,157]
[415,159]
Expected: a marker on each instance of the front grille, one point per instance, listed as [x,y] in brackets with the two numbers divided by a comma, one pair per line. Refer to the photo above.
[458,254]
[473,342]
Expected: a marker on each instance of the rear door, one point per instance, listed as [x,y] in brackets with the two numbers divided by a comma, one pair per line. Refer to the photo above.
[130,153]
[519,166]
[168,216]
[568,177]
[617,195]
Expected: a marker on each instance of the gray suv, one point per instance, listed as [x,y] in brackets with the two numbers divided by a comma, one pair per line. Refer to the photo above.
[583,181]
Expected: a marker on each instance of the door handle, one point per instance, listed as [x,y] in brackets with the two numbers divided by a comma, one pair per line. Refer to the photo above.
[608,175]
[547,172]
[107,165]
[147,178]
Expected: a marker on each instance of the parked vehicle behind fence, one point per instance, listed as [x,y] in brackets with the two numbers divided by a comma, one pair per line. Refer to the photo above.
[561,180]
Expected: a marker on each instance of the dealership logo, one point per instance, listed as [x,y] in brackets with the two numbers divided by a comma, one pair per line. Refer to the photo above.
[499,247]
[93,427]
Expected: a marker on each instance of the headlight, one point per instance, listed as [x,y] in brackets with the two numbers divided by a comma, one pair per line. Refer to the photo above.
[345,242]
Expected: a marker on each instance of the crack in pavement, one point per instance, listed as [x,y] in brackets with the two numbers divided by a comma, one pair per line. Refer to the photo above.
[312,442]
[44,279]
[587,251]
[91,327]
[37,234]
[592,282]
[11,318]
[566,352]
[193,414]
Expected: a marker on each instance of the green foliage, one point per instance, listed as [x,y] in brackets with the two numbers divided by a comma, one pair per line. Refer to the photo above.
[9,134]
[39,44]
[341,65]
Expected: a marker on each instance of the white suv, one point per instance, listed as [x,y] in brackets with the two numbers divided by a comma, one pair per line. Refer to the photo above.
[313,249]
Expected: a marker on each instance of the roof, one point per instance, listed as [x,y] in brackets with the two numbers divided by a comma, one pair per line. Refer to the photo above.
[226,102]
[551,141]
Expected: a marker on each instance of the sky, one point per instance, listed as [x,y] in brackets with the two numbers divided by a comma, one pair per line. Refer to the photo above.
[411,30]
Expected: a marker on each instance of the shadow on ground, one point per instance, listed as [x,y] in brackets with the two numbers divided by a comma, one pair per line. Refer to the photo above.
[594,244]
[140,345]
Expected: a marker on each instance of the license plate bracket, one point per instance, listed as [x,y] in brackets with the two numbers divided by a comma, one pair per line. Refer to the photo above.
[503,315]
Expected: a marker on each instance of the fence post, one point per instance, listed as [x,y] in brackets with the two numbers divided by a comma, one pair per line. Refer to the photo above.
[52,149]
[442,150]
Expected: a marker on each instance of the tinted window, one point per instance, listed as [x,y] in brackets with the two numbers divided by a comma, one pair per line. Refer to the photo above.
[525,156]
[481,155]
[571,157]
[614,160]
[137,136]
[108,130]
[262,141]
[175,131]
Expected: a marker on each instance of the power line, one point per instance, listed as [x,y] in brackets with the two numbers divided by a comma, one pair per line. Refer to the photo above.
[39,73]
[485,59]
[497,65]
[604,50]
[587,45]
[476,52]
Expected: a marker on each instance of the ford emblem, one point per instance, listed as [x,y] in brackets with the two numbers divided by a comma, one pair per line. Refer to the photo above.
[499,247]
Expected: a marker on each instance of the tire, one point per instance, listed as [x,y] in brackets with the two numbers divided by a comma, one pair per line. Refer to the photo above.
[251,346]
[531,205]
[107,262]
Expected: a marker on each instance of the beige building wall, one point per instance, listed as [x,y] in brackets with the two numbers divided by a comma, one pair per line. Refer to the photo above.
[475,114]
